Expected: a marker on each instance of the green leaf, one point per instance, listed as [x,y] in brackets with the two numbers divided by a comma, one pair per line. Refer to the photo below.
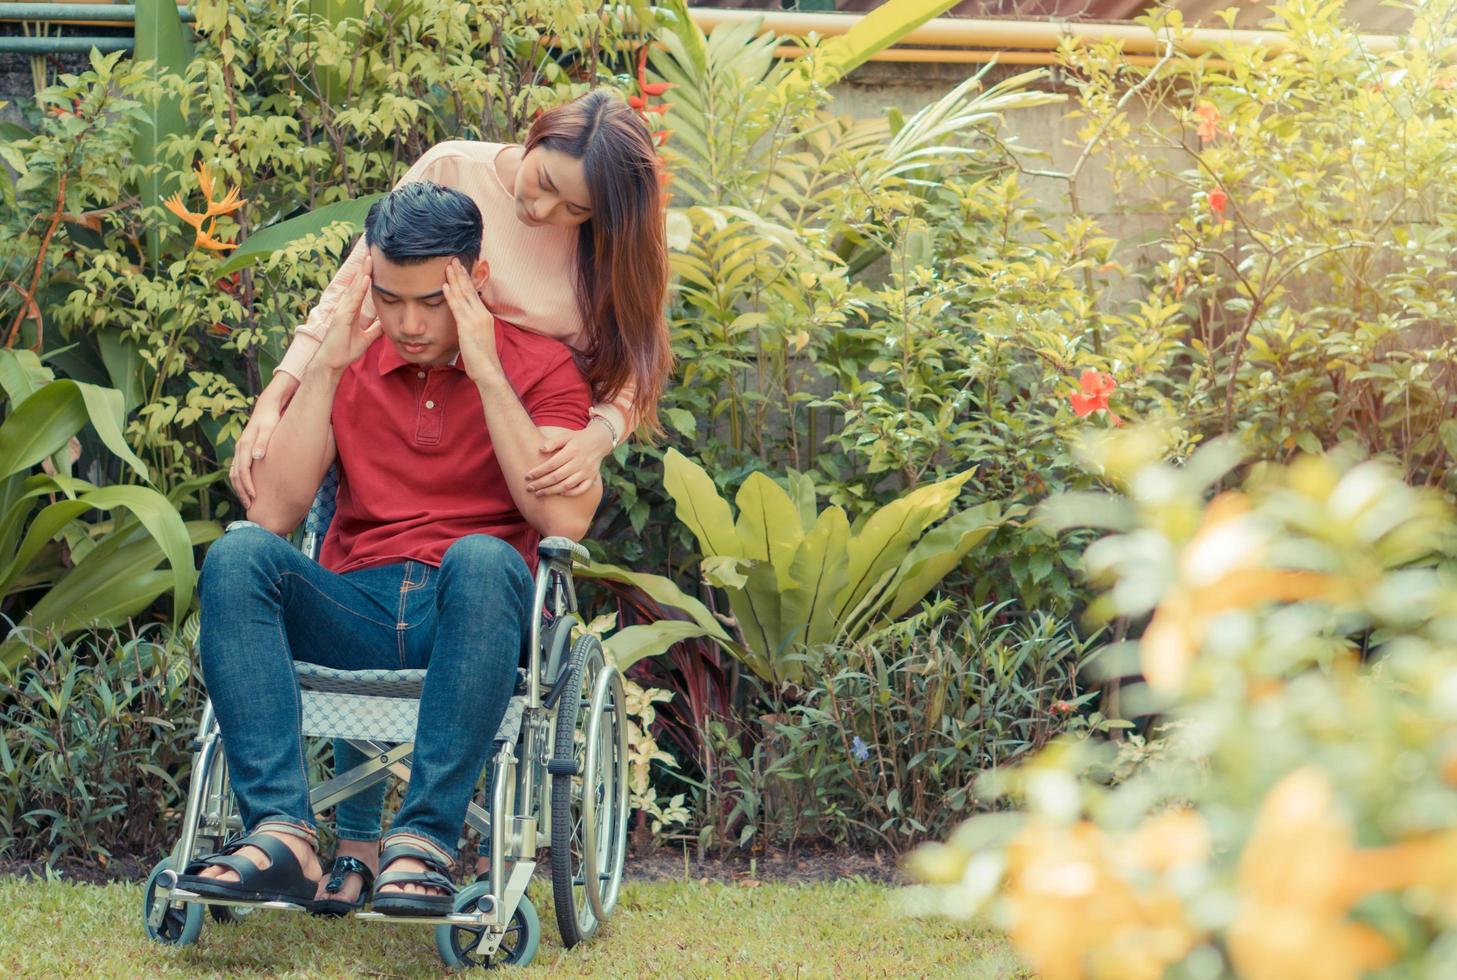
[820,570]
[941,550]
[22,374]
[663,591]
[881,543]
[802,489]
[107,412]
[124,366]
[43,424]
[872,33]
[161,40]
[275,237]
[682,420]
[699,506]
[628,646]
[769,527]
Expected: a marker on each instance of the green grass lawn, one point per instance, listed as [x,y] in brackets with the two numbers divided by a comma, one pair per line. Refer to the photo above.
[673,929]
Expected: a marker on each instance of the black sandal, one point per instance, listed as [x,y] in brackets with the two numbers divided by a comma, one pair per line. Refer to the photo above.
[342,868]
[282,881]
[437,875]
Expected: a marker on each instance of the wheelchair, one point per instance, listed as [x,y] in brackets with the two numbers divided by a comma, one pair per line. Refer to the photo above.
[558,777]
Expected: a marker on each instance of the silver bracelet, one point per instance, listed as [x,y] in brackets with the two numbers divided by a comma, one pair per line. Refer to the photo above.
[611,429]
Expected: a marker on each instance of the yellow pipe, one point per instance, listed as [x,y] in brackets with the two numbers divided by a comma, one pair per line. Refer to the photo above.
[962,56]
[1037,35]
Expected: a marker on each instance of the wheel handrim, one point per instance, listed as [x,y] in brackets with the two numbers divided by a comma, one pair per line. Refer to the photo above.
[604,792]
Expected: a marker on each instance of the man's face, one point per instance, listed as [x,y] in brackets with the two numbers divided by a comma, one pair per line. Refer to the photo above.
[410,301]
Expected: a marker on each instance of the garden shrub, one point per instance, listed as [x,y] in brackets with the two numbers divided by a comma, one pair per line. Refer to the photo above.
[884,745]
[97,736]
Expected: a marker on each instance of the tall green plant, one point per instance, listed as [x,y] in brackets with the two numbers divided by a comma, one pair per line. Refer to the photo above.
[797,578]
[86,574]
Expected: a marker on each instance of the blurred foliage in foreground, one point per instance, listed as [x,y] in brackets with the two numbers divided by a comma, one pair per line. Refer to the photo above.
[1295,816]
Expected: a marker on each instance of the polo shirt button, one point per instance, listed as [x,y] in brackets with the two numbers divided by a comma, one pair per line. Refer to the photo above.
[419,374]
[429,404]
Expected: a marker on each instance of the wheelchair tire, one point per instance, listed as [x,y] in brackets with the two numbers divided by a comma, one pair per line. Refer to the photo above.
[179,926]
[604,817]
[456,944]
[574,915]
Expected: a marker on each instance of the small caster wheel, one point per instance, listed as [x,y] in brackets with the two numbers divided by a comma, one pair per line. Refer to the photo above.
[457,945]
[174,926]
[228,915]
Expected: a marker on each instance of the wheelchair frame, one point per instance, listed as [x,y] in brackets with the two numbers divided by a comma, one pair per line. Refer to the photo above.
[558,777]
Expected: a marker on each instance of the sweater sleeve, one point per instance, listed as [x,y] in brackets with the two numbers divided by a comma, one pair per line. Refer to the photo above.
[442,164]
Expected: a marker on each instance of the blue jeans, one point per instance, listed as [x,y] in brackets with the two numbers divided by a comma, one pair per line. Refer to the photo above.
[264,605]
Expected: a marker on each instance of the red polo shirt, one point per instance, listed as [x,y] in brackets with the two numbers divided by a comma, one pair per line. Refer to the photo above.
[416,467]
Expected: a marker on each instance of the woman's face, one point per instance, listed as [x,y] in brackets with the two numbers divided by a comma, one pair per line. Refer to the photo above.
[551,189]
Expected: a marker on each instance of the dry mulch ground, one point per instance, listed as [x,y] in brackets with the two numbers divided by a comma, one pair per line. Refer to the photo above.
[805,865]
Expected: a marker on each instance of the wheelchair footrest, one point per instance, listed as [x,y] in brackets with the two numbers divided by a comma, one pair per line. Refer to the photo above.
[477,920]
[183,895]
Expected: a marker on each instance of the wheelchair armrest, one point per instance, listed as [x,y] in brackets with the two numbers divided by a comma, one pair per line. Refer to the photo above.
[562,549]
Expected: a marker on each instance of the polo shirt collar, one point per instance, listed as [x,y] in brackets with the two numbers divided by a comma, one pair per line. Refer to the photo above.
[390,359]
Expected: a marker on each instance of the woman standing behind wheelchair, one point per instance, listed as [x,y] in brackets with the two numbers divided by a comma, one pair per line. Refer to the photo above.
[576,247]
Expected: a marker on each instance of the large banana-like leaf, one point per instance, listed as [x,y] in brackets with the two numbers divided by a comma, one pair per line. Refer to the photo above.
[43,423]
[699,506]
[117,579]
[757,608]
[162,40]
[769,526]
[275,237]
[22,374]
[628,646]
[47,525]
[664,591]
[879,545]
[51,415]
[820,571]
[941,550]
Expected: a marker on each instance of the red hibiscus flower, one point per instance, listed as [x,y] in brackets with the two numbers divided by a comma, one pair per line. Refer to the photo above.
[1093,397]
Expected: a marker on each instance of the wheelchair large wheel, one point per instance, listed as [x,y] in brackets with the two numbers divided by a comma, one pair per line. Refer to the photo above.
[604,810]
[570,885]
[457,945]
[174,925]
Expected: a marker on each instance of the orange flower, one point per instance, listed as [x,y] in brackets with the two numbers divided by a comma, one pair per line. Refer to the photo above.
[1096,387]
[1218,201]
[644,86]
[1298,877]
[1208,121]
[1074,911]
[206,237]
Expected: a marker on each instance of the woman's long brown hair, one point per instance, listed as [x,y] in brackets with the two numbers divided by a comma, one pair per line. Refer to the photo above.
[622,251]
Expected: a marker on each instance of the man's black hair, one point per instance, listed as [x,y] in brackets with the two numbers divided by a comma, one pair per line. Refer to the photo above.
[423,220]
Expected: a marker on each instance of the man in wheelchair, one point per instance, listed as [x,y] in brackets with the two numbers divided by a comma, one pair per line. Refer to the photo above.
[433,413]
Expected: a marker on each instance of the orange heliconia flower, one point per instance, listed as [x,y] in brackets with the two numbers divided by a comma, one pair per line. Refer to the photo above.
[206,237]
[1208,121]
[644,86]
[1093,397]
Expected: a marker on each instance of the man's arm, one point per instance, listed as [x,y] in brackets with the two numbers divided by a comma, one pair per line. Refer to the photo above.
[288,478]
[517,442]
